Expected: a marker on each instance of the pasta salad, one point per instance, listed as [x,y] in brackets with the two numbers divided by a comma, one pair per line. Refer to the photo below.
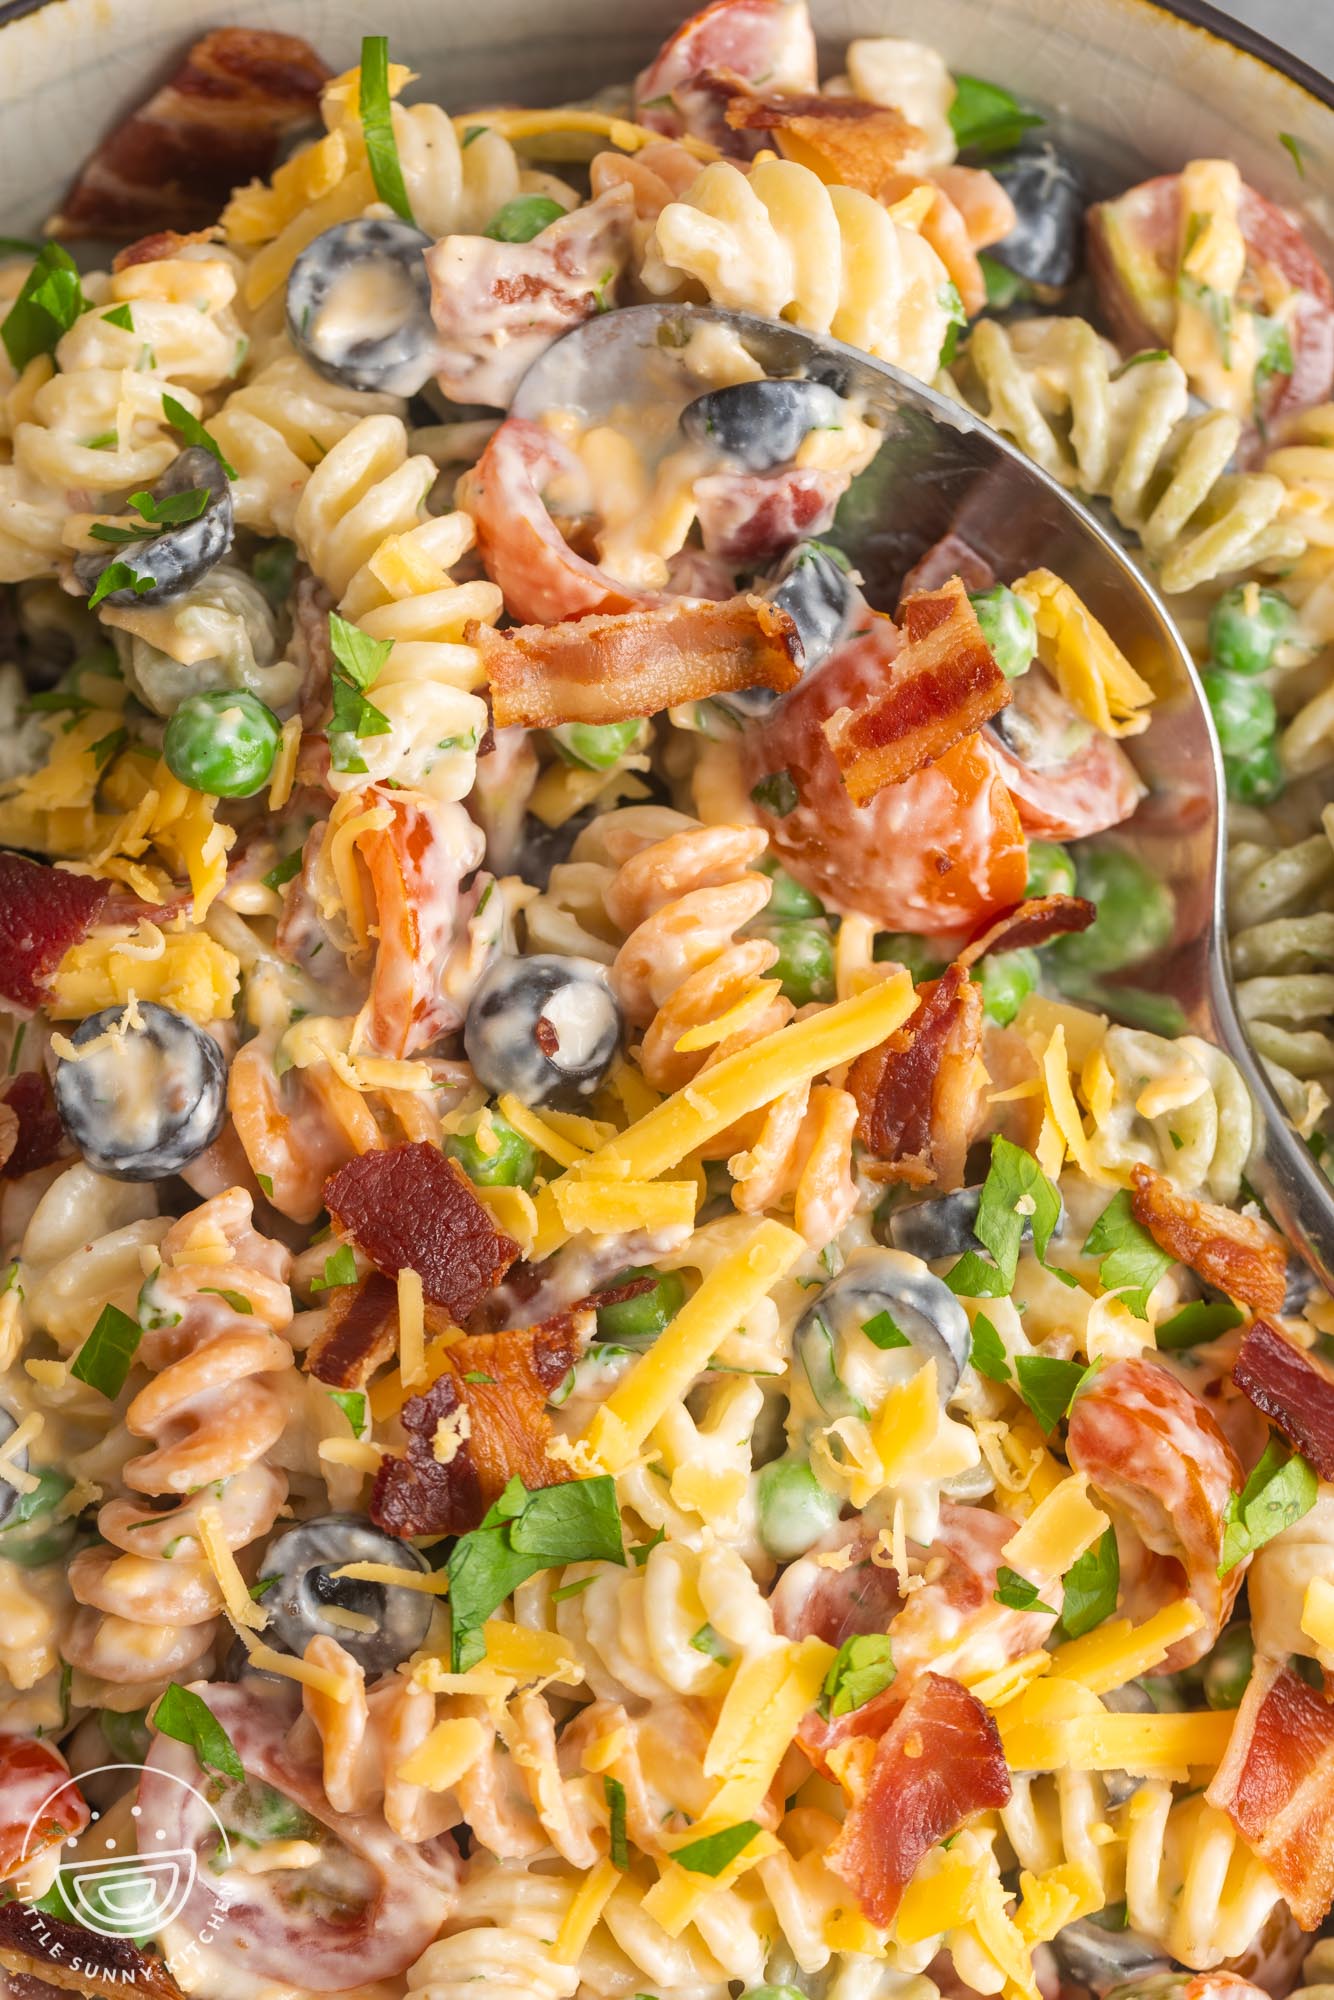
[746,1436]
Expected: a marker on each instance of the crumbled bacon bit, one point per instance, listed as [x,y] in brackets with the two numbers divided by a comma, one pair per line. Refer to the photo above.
[546,1037]
[73,1960]
[1241,1256]
[38,1135]
[408,1207]
[1292,1388]
[501,1381]
[610,669]
[844,139]
[1031,922]
[918,1092]
[943,685]
[752,40]
[43,911]
[359,1334]
[939,1761]
[162,243]
[1276,1784]
[613,1295]
[217,123]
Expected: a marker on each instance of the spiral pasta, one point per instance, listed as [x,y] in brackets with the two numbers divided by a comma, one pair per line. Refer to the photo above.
[151,1602]
[361,524]
[1192,1884]
[276,426]
[1282,943]
[779,242]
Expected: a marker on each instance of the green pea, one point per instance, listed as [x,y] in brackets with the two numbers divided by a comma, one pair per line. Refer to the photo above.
[794,1509]
[1243,711]
[773,1993]
[1009,628]
[126,1733]
[595,746]
[223,742]
[512,1164]
[646,1315]
[788,899]
[1256,779]
[520,220]
[1051,872]
[1006,981]
[1228,1667]
[273,569]
[1247,626]
[1136,914]
[805,962]
[905,948]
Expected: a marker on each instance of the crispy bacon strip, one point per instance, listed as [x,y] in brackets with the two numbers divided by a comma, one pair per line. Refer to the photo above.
[161,243]
[1241,1256]
[1292,1388]
[750,40]
[492,1403]
[38,1137]
[1031,922]
[359,1334]
[843,139]
[1276,1784]
[611,669]
[43,911]
[218,122]
[1155,1455]
[939,1761]
[918,1092]
[409,1207]
[70,1959]
[944,684]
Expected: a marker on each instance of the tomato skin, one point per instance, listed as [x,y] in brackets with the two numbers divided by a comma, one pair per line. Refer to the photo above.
[1093,788]
[1150,215]
[39,1802]
[758,40]
[943,851]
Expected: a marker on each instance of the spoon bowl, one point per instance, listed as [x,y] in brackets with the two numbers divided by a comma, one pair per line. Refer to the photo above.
[939,470]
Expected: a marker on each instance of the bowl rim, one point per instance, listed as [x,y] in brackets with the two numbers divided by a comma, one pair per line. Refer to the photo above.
[1195,13]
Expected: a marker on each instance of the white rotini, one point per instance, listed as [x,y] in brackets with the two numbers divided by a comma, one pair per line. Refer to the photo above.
[1179,1106]
[277,426]
[363,527]
[1282,943]
[779,242]
[1280,1575]
[1121,431]
[1192,1884]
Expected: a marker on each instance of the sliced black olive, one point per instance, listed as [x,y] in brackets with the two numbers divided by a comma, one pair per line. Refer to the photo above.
[9,1495]
[149,1100]
[813,586]
[543,847]
[181,552]
[893,1301]
[542,1027]
[1092,1955]
[359,306]
[302,1562]
[1046,244]
[941,1226]
[761,424]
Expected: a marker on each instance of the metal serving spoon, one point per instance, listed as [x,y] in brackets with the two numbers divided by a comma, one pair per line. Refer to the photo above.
[941,469]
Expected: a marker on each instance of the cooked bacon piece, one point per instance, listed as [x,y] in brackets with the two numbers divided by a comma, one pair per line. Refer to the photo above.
[39,1802]
[1031,922]
[918,1093]
[1156,1457]
[417,865]
[1276,1784]
[767,41]
[54,1954]
[1241,1256]
[38,1137]
[43,911]
[492,1403]
[939,1761]
[747,517]
[218,122]
[359,1334]
[408,1207]
[162,243]
[950,556]
[539,574]
[610,669]
[614,1295]
[836,1604]
[842,139]
[943,686]
[497,306]
[1292,1388]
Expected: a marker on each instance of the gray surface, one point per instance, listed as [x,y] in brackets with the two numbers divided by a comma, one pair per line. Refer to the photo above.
[1304,26]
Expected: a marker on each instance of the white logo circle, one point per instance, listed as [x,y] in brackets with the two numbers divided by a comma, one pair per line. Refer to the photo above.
[133,1890]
